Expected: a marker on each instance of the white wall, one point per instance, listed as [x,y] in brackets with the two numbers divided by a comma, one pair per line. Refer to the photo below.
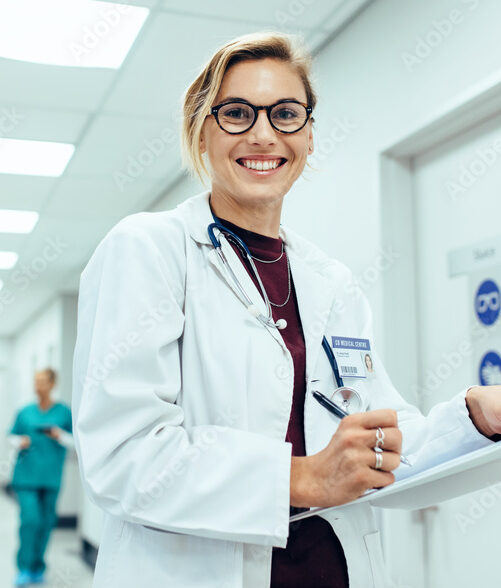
[362,78]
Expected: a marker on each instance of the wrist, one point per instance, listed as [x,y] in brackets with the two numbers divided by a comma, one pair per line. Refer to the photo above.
[299,481]
[475,412]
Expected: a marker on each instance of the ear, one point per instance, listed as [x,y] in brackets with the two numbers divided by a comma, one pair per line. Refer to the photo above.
[310,140]
[202,143]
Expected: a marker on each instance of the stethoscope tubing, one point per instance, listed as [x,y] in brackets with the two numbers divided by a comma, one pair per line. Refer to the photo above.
[267,321]
[332,360]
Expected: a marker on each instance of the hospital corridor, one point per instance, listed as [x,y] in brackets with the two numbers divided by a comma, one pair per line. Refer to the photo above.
[250,294]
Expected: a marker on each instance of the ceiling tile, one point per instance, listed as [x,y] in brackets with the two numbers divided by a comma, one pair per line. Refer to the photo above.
[147,3]
[24,192]
[127,148]
[279,15]
[40,125]
[87,198]
[12,242]
[66,235]
[50,86]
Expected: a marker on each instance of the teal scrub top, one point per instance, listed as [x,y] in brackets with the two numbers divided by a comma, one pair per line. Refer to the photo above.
[41,464]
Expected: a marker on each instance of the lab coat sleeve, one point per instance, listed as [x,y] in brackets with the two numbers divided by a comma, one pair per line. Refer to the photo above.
[66,439]
[445,433]
[65,434]
[138,460]
[15,441]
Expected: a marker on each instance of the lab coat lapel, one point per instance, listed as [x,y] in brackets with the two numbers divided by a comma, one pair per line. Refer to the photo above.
[315,296]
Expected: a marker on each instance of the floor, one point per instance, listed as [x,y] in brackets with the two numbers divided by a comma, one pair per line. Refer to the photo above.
[65,568]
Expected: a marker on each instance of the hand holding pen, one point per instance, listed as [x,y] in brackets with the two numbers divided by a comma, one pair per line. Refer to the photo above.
[349,465]
[340,413]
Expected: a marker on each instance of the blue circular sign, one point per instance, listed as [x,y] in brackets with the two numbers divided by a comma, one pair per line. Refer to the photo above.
[489,372]
[487,302]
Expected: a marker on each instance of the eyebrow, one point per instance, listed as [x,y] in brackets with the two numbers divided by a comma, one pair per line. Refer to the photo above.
[240,98]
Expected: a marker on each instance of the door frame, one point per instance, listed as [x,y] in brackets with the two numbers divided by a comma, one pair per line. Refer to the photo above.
[397,206]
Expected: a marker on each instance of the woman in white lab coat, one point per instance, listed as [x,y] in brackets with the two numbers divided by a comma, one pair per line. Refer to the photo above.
[183,399]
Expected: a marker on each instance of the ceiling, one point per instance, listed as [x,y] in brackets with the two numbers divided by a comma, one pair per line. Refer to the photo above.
[108,115]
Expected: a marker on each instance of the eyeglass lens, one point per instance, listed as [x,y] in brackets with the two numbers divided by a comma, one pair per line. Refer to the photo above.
[236,117]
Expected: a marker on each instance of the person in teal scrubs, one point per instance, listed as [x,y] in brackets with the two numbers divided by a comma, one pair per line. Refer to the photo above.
[42,433]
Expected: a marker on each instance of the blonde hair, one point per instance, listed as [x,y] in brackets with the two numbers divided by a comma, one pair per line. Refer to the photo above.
[199,96]
[50,373]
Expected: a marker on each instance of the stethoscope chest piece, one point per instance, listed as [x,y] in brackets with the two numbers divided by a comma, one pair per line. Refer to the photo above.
[348,399]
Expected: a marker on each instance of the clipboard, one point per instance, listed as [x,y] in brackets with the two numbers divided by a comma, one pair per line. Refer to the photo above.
[470,472]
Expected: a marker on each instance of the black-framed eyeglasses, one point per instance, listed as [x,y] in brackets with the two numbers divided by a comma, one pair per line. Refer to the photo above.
[238,116]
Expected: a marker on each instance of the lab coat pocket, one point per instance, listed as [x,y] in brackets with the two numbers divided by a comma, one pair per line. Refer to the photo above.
[157,557]
[373,546]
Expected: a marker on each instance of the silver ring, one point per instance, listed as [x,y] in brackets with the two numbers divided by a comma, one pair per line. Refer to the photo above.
[379,460]
[379,437]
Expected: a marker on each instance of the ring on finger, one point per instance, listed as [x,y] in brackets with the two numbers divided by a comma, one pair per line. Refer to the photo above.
[379,437]
[379,460]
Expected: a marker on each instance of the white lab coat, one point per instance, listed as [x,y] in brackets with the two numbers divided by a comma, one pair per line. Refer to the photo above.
[181,400]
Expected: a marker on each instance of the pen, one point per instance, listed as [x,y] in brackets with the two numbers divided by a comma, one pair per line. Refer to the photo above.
[340,413]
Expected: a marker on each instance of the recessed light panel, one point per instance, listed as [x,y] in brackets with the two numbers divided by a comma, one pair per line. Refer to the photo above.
[8,259]
[34,158]
[80,33]
[17,221]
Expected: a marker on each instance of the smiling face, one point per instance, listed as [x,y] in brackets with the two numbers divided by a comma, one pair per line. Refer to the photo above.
[260,82]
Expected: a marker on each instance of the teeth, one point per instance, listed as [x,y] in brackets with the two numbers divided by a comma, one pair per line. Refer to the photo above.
[261,165]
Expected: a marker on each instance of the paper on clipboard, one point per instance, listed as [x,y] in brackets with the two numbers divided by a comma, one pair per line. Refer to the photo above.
[474,471]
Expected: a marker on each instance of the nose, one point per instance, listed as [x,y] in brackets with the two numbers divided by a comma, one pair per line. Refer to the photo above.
[262,131]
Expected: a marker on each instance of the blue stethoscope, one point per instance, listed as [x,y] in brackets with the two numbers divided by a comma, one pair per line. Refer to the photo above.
[345,396]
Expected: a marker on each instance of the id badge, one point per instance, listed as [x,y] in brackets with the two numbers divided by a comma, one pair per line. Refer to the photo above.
[353,356]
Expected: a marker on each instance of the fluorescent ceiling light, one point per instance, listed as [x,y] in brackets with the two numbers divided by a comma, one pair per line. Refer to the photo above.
[17,221]
[8,259]
[34,158]
[80,33]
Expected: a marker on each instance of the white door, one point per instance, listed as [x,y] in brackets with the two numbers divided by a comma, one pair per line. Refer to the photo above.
[457,201]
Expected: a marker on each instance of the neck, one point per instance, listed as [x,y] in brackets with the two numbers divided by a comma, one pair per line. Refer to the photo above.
[45,403]
[263,219]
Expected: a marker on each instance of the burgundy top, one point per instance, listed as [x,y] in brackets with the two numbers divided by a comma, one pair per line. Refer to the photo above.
[313,557]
